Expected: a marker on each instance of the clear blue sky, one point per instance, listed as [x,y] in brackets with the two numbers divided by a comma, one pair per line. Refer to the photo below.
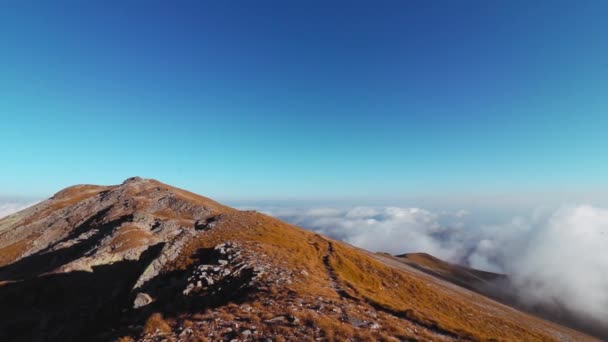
[305,98]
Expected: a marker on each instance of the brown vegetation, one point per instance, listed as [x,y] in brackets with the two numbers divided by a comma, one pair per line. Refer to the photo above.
[156,324]
[11,252]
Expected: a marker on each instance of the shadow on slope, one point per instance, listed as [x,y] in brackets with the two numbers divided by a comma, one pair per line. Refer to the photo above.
[46,261]
[70,306]
[168,299]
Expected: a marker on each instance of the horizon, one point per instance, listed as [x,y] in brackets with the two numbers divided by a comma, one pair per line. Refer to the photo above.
[490,206]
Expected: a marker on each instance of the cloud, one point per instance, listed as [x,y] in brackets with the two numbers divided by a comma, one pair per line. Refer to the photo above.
[554,257]
[8,206]
[389,229]
[564,261]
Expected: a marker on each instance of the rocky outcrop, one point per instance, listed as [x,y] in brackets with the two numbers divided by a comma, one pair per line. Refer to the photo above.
[230,272]
[170,252]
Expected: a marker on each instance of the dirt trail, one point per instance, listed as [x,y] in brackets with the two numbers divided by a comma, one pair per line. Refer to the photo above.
[335,282]
[403,314]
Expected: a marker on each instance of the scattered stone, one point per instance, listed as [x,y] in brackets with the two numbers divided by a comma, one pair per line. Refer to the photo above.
[357,323]
[142,299]
[186,332]
[276,320]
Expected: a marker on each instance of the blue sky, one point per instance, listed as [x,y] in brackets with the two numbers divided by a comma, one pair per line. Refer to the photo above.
[305,99]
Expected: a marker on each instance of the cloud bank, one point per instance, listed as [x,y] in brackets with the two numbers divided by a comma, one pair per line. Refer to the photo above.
[8,206]
[555,257]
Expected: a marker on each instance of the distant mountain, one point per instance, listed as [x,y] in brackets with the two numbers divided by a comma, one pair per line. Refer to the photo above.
[500,288]
[146,261]
[469,278]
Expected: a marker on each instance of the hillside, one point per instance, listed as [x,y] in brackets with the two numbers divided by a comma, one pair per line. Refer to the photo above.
[472,279]
[146,261]
[500,288]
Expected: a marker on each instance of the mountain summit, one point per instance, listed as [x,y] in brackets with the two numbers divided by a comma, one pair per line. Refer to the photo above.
[147,261]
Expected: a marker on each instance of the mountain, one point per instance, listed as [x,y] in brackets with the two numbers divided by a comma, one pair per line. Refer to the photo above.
[472,279]
[500,287]
[147,261]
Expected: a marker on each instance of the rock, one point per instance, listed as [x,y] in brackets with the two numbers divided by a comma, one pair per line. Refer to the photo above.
[168,253]
[246,332]
[142,299]
[132,180]
[276,320]
[209,280]
[186,332]
[357,323]
[223,262]
[188,289]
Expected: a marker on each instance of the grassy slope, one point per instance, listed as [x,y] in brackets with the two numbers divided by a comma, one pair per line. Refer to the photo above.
[406,294]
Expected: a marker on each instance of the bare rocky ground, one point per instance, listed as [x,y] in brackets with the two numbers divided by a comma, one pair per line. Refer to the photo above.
[146,261]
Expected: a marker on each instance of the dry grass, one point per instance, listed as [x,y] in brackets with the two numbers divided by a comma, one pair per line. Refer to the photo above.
[156,323]
[294,247]
[64,199]
[331,327]
[418,300]
[13,251]
[74,194]
[427,303]
[130,237]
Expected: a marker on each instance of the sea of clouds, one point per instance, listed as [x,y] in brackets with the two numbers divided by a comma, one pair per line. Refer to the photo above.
[553,256]
[9,206]
[556,257]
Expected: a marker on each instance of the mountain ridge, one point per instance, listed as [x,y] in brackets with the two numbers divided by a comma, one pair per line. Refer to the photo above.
[145,261]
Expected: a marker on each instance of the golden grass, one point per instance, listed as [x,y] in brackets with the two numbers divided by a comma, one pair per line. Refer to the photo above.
[409,295]
[130,237]
[422,302]
[75,194]
[165,214]
[331,327]
[64,199]
[13,251]
[156,323]
[294,247]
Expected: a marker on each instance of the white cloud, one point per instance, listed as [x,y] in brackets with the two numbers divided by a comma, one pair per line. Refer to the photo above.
[565,261]
[390,229]
[8,206]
